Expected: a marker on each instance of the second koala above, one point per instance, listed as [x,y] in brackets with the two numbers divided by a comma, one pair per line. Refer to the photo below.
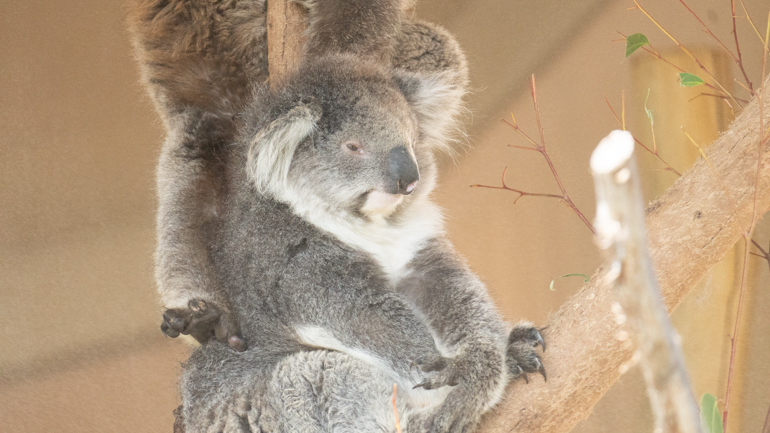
[297,238]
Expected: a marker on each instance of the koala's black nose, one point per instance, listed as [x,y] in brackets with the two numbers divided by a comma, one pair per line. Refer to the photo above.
[402,171]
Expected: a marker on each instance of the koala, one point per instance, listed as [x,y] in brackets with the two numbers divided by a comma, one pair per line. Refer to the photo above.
[297,240]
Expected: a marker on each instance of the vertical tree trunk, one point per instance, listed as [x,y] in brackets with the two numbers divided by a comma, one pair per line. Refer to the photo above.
[285,39]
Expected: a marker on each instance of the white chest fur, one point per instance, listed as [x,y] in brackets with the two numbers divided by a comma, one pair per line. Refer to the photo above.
[391,245]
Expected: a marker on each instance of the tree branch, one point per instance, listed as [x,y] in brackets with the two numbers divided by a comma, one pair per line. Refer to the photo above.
[690,228]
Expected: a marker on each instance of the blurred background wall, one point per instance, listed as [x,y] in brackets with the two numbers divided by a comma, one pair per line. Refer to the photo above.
[80,348]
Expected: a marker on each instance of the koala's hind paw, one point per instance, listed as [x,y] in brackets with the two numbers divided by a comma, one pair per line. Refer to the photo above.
[203,321]
[521,356]
[439,371]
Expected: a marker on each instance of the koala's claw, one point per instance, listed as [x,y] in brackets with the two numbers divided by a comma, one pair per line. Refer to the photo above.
[521,356]
[203,321]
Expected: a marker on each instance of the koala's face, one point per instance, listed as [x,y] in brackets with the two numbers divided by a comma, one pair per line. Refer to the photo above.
[350,145]
[362,155]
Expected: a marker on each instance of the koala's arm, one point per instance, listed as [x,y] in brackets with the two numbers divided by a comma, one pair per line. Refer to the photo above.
[460,312]
[346,305]
[189,179]
[198,61]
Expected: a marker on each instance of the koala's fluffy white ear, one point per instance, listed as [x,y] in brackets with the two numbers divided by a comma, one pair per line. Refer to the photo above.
[437,100]
[272,149]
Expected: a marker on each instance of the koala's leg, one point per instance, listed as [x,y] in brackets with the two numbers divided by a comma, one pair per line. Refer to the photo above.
[200,53]
[467,326]
[189,183]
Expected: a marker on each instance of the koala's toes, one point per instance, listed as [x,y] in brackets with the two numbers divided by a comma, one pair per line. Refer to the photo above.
[521,356]
[526,333]
[203,321]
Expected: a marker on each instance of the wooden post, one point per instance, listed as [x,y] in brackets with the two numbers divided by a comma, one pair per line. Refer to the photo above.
[621,233]
[285,39]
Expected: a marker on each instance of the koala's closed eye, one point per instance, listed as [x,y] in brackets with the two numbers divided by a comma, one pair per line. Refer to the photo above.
[353,148]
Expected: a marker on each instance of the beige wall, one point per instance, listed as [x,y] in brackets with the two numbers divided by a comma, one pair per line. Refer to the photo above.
[81,350]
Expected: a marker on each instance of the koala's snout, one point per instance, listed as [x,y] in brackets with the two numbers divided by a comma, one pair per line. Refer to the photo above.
[402,171]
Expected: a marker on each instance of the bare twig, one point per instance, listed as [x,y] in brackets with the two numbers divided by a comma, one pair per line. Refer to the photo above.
[753,26]
[747,235]
[739,57]
[541,149]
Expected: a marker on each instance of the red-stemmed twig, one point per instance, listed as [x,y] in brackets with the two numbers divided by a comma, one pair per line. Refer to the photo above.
[737,59]
[747,234]
[649,49]
[652,152]
[541,149]
[689,53]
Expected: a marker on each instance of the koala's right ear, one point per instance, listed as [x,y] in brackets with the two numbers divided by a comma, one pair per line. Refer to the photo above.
[272,149]
[437,99]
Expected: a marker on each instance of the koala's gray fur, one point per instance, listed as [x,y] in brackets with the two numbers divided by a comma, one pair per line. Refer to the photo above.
[291,229]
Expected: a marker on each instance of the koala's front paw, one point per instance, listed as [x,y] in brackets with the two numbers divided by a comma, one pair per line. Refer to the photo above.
[439,371]
[521,356]
[203,321]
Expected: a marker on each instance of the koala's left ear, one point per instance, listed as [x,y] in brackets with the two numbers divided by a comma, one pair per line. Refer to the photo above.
[437,99]
[272,149]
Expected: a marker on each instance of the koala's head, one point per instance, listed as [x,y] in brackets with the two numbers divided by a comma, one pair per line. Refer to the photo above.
[351,136]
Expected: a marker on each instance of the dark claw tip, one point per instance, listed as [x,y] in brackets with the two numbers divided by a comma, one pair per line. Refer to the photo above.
[419,385]
[541,370]
[526,379]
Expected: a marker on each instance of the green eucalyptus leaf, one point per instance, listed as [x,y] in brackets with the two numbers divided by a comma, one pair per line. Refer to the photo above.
[634,42]
[585,278]
[709,413]
[689,80]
